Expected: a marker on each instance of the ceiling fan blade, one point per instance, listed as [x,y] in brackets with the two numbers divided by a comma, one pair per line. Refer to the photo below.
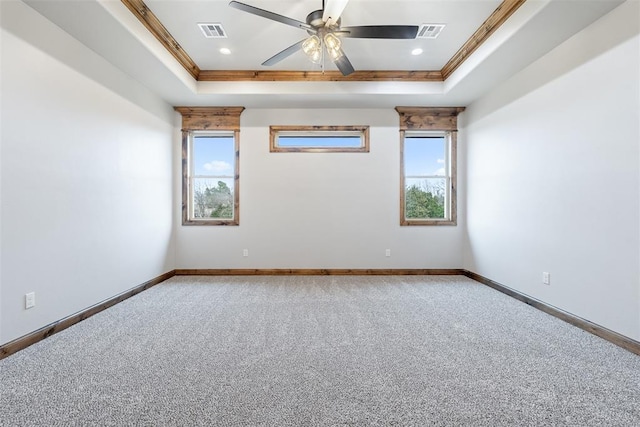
[270,15]
[332,10]
[343,64]
[380,32]
[284,54]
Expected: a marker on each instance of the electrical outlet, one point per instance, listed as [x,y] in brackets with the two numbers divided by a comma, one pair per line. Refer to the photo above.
[30,300]
[245,252]
[387,252]
[546,278]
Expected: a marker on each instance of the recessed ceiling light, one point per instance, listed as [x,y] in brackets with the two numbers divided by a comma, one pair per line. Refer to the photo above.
[225,51]
[416,51]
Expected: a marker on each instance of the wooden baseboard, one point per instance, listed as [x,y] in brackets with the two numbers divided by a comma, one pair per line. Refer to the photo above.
[600,331]
[319,272]
[44,332]
[62,324]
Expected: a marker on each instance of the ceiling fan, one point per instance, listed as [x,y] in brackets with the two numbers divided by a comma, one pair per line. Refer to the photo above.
[325,31]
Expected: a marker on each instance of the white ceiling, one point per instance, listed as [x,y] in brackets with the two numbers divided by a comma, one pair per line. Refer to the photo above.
[253,39]
[110,29]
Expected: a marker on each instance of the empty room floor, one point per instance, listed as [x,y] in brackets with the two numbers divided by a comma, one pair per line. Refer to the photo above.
[321,350]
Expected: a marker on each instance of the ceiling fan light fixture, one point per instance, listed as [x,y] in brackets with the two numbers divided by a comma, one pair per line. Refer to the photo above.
[312,47]
[324,26]
[332,42]
[335,54]
[311,44]
[333,45]
[316,56]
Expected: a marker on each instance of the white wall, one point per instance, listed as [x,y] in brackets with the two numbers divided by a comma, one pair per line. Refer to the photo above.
[86,176]
[311,210]
[553,178]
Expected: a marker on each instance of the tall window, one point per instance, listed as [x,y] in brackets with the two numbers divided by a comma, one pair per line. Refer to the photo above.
[427,176]
[212,171]
[428,137]
[210,164]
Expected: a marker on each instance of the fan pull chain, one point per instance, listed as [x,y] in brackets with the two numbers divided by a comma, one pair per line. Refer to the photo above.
[322,49]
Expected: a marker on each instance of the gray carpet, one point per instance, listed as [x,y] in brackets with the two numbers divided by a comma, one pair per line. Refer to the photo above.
[307,351]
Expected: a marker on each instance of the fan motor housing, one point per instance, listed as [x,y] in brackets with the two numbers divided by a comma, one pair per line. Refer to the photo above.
[315,19]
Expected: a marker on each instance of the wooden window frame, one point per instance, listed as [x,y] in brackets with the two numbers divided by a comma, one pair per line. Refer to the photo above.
[434,121]
[209,121]
[191,177]
[363,131]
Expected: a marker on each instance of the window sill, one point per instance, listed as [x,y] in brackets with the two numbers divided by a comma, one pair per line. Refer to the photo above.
[414,222]
[210,222]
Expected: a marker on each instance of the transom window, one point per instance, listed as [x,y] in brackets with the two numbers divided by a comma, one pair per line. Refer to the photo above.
[319,139]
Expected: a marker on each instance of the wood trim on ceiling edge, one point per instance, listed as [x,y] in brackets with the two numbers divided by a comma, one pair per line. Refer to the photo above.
[498,17]
[46,331]
[482,34]
[141,11]
[318,76]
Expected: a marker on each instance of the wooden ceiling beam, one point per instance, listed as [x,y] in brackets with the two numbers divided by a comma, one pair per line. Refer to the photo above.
[155,27]
[317,76]
[488,27]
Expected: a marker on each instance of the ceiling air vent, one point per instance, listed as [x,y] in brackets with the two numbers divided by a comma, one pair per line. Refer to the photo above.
[429,31]
[213,30]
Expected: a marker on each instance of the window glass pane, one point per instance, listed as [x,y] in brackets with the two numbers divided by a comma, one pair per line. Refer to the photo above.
[425,198]
[213,155]
[213,198]
[324,141]
[424,156]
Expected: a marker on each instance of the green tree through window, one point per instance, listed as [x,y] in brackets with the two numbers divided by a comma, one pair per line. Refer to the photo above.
[221,201]
[423,204]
